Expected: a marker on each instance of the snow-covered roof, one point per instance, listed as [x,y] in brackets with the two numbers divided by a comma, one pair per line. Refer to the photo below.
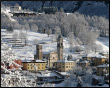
[104,65]
[64,61]
[104,53]
[64,73]
[39,61]
[100,56]
[107,74]
[45,52]
[90,55]
[3,30]
[47,74]
[83,61]
[33,61]
[94,55]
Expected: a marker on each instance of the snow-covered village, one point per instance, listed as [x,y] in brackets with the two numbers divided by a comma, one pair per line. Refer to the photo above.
[55,44]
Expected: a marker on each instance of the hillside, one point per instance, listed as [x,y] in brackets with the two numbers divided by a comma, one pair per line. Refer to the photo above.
[85,7]
[50,45]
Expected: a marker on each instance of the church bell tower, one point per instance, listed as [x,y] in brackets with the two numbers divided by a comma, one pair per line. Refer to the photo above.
[39,52]
[60,47]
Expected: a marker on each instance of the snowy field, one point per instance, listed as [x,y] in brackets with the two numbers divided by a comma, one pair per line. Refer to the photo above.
[49,44]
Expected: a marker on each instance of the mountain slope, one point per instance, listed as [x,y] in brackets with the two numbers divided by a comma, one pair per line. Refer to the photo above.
[49,45]
[85,7]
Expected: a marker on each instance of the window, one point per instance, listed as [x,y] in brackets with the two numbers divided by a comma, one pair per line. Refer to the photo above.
[28,67]
[66,66]
[42,68]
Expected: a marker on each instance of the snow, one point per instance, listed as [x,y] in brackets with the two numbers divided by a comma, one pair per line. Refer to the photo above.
[105,85]
[100,56]
[49,74]
[63,61]
[34,61]
[104,42]
[104,65]
[49,46]
[6,11]
[64,73]
[83,61]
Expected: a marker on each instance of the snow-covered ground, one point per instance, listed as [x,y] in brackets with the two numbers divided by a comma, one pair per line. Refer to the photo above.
[6,12]
[47,42]
[104,42]
[49,45]
[73,85]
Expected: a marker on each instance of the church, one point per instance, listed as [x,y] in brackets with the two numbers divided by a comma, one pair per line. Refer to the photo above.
[51,56]
[54,57]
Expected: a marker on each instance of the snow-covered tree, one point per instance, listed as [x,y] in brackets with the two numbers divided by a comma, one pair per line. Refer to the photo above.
[15,36]
[22,36]
[35,41]
[34,27]
[72,41]
[49,31]
[13,78]
[57,31]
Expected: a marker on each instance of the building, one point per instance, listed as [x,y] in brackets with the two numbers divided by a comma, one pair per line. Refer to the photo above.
[102,69]
[48,10]
[64,65]
[15,8]
[24,14]
[53,57]
[84,63]
[106,78]
[60,47]
[49,77]
[100,60]
[105,54]
[13,66]
[39,51]
[88,57]
[38,65]
[50,57]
